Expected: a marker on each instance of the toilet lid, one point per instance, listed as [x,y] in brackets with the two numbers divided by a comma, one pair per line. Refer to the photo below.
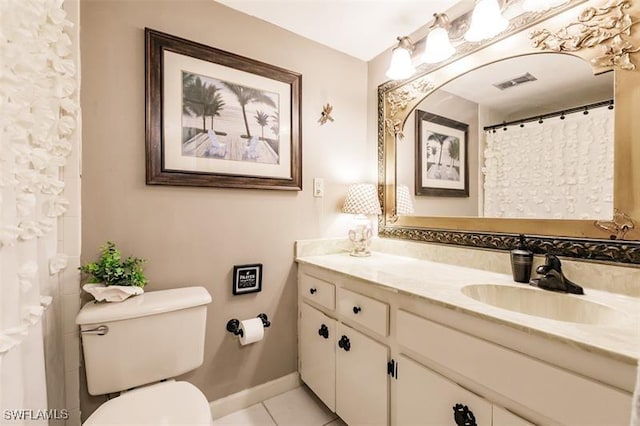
[167,403]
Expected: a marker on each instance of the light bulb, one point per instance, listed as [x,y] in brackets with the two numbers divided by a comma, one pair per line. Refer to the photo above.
[401,66]
[437,47]
[486,21]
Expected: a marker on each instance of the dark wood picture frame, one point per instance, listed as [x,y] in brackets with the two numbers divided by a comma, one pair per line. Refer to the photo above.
[247,278]
[159,146]
[447,130]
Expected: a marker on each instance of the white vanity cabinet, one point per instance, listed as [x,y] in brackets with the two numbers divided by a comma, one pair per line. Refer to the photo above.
[502,417]
[558,395]
[346,368]
[425,397]
[398,359]
[317,362]
[361,378]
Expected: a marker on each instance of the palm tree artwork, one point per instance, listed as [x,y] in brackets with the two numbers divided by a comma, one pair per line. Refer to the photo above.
[246,95]
[201,99]
[275,123]
[454,150]
[263,119]
[435,171]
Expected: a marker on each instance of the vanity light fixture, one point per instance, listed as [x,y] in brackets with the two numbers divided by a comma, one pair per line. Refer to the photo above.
[486,21]
[541,5]
[362,200]
[401,66]
[438,47]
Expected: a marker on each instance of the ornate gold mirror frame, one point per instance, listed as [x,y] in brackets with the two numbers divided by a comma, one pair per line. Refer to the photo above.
[607,35]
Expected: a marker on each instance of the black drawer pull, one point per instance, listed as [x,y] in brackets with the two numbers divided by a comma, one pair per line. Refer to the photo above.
[463,416]
[313,290]
[356,309]
[324,331]
[344,343]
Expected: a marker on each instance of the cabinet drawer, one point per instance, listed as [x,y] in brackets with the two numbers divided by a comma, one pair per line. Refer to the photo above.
[319,291]
[427,398]
[560,395]
[364,310]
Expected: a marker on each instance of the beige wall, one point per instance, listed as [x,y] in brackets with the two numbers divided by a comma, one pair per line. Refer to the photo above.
[194,236]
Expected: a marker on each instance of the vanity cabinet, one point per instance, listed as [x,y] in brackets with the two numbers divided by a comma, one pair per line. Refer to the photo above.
[378,357]
[361,378]
[502,417]
[346,368]
[424,397]
[317,353]
[558,395]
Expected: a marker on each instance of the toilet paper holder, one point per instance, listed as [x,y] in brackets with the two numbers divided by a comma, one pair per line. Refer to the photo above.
[233,325]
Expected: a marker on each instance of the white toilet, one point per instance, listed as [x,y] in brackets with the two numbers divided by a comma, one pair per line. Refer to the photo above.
[155,336]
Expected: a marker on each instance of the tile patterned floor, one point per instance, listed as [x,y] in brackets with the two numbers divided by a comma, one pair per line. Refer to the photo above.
[298,407]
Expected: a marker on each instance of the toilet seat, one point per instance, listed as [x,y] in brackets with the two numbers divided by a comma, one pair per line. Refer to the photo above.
[166,403]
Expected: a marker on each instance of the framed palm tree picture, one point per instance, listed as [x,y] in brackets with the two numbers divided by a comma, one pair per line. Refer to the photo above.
[214,118]
[441,156]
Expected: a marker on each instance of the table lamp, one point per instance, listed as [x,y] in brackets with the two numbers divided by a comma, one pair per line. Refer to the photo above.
[362,200]
[404,203]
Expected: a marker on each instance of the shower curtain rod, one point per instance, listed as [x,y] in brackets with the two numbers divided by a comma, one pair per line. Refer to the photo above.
[561,113]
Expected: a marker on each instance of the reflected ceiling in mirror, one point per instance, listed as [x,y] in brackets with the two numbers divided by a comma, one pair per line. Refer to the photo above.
[544,166]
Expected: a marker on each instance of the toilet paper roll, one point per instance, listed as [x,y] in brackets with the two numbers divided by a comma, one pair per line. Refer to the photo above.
[252,331]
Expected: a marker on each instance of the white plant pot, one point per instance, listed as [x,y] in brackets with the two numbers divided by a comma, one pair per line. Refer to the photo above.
[111,293]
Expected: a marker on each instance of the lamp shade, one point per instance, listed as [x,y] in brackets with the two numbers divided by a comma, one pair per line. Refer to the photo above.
[437,47]
[401,66]
[486,21]
[404,203]
[362,198]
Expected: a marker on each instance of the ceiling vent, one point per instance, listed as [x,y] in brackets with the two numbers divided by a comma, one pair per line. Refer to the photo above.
[515,81]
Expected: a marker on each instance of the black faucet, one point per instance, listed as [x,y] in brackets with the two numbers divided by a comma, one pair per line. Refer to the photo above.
[553,279]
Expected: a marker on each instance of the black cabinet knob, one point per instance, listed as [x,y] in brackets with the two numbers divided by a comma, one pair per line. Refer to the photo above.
[324,331]
[344,343]
[313,290]
[463,416]
[356,309]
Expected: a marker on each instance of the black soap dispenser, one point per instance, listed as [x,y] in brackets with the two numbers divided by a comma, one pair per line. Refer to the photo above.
[521,261]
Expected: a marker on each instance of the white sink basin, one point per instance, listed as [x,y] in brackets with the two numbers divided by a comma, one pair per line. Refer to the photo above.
[545,304]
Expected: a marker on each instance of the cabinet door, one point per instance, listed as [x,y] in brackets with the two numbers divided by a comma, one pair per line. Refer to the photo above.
[361,378]
[318,354]
[502,417]
[424,397]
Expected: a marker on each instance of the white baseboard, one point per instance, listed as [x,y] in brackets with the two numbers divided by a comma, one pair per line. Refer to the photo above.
[248,397]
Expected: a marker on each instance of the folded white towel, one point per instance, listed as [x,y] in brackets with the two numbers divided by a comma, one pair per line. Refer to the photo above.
[635,402]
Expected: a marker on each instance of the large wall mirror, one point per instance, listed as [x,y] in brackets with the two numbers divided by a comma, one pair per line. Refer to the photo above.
[524,135]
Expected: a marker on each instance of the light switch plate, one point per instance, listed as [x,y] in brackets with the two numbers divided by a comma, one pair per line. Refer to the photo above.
[318,187]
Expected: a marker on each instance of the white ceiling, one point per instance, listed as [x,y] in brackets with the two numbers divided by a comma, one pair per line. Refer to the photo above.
[563,81]
[359,28]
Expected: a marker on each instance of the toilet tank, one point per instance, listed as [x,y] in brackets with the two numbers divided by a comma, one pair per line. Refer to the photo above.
[150,337]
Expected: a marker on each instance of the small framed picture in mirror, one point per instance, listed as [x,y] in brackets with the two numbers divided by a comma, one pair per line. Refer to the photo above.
[247,278]
[441,156]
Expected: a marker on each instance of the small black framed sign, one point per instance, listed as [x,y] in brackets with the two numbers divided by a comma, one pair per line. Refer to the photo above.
[247,278]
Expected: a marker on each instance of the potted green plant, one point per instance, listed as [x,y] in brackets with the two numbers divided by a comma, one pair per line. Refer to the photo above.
[113,278]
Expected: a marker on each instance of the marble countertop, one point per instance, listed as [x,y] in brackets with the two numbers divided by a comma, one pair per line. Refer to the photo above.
[442,284]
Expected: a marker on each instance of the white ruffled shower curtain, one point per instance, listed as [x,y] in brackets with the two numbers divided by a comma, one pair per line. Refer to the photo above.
[37,115]
[560,169]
